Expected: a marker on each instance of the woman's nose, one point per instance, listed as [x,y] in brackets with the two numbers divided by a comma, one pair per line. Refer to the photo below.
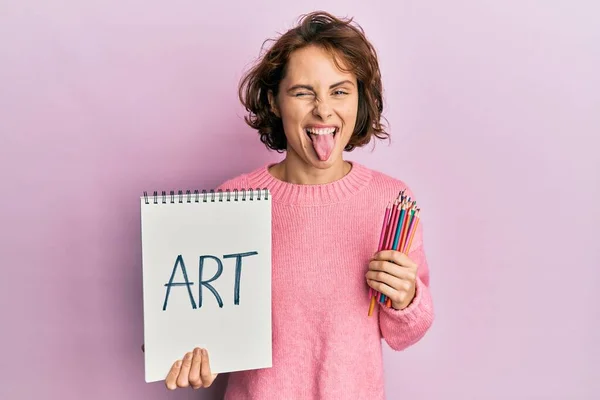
[322,109]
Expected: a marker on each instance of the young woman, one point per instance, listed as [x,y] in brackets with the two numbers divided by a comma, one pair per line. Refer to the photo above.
[315,94]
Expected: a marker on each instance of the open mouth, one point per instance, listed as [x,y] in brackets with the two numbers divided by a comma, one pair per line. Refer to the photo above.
[323,140]
[321,131]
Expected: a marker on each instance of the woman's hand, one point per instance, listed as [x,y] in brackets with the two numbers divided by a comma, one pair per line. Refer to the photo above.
[393,274]
[193,370]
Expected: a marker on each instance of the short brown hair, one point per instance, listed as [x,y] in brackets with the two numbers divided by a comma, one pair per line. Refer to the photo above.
[337,36]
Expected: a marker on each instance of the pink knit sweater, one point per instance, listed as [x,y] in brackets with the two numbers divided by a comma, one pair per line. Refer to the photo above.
[324,344]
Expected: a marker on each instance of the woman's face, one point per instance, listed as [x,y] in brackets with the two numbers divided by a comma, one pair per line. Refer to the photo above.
[318,104]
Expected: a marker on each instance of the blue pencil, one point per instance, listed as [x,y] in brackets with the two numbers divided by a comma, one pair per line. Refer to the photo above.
[399,226]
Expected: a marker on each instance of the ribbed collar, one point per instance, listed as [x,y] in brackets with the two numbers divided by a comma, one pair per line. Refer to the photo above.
[319,194]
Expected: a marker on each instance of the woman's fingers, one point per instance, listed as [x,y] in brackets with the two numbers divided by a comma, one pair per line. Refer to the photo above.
[392,269]
[386,279]
[395,257]
[193,370]
[183,380]
[207,377]
[195,379]
[171,380]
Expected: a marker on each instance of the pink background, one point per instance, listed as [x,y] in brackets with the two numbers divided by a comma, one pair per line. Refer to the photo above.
[495,115]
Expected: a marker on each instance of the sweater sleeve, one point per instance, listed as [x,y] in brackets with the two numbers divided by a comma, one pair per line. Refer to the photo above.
[403,328]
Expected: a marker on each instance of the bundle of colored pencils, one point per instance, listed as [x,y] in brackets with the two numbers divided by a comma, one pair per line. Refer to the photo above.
[400,223]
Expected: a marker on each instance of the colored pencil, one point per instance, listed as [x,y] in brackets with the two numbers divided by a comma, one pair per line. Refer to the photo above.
[390,220]
[400,222]
[392,233]
[408,245]
[404,247]
[387,226]
[405,228]
[412,234]
[395,237]
[384,226]
[392,226]
[400,231]
[386,218]
[386,233]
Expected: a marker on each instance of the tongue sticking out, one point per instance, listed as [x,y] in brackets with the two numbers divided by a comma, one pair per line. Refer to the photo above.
[323,145]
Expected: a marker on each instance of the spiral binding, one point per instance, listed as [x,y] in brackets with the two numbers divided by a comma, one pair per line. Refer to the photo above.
[207,196]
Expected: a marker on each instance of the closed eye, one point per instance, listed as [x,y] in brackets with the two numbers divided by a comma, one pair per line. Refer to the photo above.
[340,92]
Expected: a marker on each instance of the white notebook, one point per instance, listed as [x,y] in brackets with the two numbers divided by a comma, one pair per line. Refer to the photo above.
[226,238]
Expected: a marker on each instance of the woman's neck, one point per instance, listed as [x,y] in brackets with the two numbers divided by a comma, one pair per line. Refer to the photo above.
[295,170]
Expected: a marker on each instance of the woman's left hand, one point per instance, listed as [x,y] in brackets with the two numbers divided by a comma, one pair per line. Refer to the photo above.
[393,274]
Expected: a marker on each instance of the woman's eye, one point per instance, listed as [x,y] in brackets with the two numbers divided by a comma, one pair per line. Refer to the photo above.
[301,94]
[339,92]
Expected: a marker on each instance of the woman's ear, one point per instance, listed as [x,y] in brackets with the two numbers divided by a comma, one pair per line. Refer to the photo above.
[273,104]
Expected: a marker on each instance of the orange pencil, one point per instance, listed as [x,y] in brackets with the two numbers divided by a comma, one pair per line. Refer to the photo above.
[409,221]
[411,227]
[412,234]
[372,305]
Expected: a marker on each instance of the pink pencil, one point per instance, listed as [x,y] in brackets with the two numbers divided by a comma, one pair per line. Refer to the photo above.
[382,235]
[392,226]
[386,219]
[386,232]
[391,232]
